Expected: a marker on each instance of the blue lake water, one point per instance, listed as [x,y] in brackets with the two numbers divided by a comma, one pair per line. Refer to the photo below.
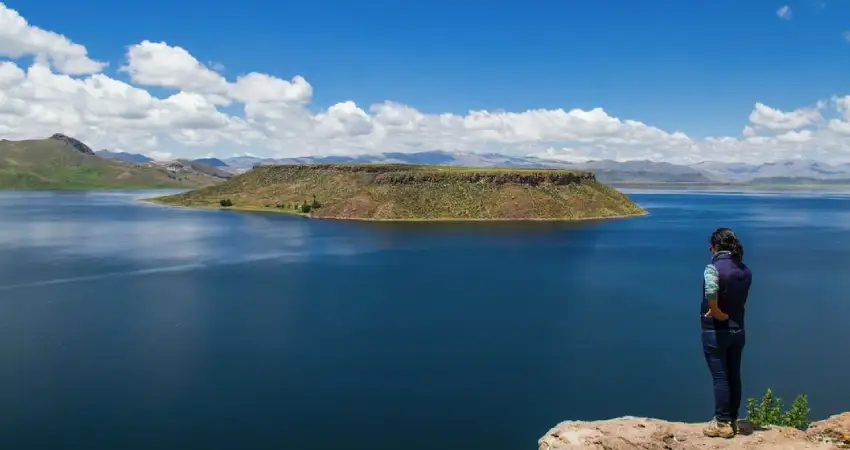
[133,326]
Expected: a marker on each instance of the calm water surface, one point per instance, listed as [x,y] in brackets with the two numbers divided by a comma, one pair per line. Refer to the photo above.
[133,326]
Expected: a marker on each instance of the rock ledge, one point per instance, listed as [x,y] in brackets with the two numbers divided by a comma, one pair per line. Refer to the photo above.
[636,433]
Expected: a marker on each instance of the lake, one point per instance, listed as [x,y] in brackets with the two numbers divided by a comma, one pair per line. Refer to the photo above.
[134,326]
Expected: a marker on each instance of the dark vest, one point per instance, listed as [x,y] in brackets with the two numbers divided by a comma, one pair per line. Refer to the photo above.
[734,286]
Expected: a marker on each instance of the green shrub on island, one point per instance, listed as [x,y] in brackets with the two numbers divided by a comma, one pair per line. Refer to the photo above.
[305,208]
[225,202]
[768,411]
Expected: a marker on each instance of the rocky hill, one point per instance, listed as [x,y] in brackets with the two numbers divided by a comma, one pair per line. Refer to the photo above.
[73,143]
[62,162]
[415,192]
[632,433]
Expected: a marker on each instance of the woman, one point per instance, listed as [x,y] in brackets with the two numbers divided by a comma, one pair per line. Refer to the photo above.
[726,284]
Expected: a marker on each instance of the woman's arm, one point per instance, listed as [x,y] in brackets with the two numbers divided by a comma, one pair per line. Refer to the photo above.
[712,285]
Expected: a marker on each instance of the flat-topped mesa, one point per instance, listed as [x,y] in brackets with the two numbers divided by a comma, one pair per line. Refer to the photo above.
[415,192]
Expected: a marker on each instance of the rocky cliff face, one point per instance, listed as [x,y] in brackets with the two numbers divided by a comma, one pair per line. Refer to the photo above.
[79,146]
[632,433]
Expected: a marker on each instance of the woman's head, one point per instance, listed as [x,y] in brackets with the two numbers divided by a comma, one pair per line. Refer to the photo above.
[724,239]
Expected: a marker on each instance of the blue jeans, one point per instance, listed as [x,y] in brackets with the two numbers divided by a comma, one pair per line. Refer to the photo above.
[723,349]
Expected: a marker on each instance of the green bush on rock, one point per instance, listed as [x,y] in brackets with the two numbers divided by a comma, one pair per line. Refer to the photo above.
[768,411]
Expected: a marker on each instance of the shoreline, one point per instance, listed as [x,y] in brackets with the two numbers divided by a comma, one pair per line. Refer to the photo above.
[581,219]
[366,219]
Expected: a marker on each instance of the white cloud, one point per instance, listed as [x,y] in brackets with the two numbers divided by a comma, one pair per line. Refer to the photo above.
[774,119]
[842,104]
[161,156]
[795,136]
[272,116]
[158,64]
[18,39]
[784,12]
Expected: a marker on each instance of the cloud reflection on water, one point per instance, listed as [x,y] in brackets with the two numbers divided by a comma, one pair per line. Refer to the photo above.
[114,225]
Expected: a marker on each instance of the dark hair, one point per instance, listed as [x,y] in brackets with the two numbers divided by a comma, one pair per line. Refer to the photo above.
[724,239]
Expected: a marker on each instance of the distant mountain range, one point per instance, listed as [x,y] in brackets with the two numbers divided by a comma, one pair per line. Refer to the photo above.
[123,156]
[780,172]
[56,162]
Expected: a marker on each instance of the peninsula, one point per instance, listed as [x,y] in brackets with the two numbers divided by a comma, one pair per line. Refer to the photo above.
[409,192]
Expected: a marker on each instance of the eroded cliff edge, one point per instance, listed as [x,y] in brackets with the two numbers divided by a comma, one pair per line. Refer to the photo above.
[635,433]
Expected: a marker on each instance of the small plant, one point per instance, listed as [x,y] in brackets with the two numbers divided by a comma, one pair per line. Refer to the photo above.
[798,415]
[315,204]
[225,202]
[305,208]
[768,411]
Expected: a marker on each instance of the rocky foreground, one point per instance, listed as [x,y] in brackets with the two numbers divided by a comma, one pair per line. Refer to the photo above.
[632,433]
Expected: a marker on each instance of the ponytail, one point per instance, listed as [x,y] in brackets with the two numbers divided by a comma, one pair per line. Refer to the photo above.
[724,239]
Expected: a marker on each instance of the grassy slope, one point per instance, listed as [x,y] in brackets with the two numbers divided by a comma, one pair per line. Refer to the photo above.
[358,194]
[52,164]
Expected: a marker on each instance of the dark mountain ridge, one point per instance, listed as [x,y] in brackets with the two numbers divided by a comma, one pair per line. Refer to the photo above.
[124,156]
[75,144]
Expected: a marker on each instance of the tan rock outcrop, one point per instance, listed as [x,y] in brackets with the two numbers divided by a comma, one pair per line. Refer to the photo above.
[634,433]
[836,429]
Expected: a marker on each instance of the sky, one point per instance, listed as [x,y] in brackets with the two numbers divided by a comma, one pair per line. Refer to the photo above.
[683,82]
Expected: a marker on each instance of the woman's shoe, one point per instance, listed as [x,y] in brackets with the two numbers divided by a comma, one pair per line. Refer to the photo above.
[719,429]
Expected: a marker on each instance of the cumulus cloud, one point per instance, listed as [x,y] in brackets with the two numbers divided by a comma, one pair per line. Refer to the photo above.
[784,12]
[18,38]
[159,64]
[774,119]
[175,104]
[795,136]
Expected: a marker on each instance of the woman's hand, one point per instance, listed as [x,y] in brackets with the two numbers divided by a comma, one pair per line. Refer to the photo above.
[717,314]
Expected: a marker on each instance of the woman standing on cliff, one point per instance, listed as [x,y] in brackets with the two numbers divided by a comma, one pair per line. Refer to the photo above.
[726,285]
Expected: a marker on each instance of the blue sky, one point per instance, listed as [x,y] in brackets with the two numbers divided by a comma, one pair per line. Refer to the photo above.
[695,66]
[691,66]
